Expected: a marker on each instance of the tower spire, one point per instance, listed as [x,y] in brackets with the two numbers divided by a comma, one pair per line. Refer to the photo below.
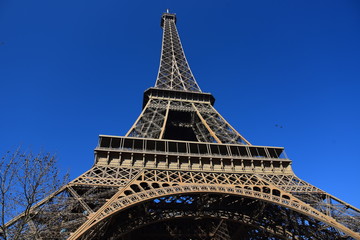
[174,71]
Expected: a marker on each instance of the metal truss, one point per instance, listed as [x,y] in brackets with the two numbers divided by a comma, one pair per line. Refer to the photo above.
[89,202]
[183,172]
[344,213]
[208,216]
[174,72]
[152,184]
[220,129]
[151,121]
[205,123]
[163,115]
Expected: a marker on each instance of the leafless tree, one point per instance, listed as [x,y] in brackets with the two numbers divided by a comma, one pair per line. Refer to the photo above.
[25,179]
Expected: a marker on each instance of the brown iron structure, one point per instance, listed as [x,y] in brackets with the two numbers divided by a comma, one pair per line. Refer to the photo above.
[183,172]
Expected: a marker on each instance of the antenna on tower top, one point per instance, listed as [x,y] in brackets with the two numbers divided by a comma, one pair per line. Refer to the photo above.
[167,10]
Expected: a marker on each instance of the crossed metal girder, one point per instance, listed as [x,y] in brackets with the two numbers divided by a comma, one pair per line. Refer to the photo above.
[166,118]
[174,71]
[89,205]
[217,216]
[146,187]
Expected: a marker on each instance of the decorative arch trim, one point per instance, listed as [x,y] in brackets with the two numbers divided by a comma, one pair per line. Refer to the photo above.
[276,197]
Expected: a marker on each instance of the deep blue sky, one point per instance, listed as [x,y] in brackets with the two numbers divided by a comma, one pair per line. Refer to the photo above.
[284,73]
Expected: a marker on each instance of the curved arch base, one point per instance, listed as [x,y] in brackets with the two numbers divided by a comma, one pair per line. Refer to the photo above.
[210,216]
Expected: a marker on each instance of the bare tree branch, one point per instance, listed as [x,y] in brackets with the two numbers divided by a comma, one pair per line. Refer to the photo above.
[25,179]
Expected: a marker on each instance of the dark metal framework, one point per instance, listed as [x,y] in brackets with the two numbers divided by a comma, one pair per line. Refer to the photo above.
[183,172]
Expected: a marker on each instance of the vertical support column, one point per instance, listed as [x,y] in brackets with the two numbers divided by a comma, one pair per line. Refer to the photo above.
[165,120]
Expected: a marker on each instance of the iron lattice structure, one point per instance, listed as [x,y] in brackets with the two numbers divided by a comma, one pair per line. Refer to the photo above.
[183,172]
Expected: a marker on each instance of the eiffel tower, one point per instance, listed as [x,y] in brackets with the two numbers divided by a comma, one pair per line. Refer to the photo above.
[183,172]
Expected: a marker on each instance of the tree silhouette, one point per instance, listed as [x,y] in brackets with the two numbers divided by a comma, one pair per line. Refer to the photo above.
[25,179]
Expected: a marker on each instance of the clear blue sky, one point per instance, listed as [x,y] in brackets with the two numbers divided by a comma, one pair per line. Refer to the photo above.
[284,73]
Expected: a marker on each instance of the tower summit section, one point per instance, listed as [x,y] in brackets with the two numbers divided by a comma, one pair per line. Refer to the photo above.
[174,71]
[175,108]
